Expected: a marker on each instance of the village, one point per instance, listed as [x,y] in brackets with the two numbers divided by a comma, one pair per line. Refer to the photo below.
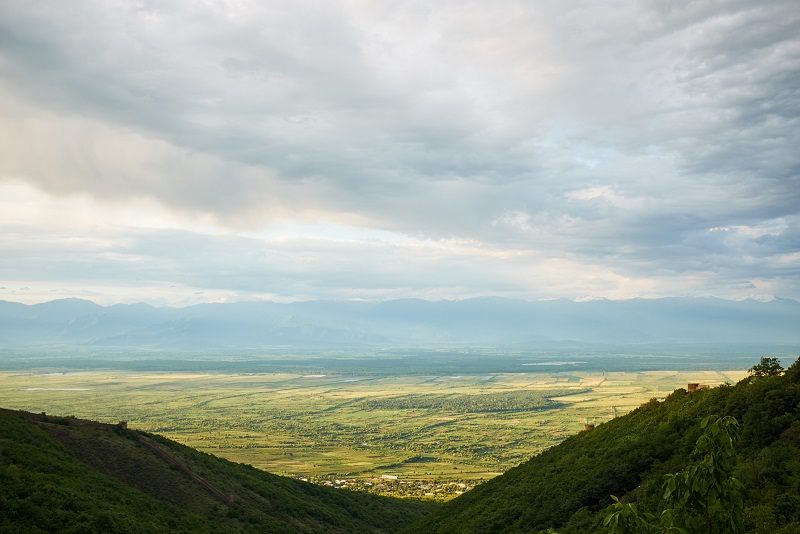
[393,486]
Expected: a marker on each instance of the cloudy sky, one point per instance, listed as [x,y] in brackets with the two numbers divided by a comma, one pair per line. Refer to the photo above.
[179,151]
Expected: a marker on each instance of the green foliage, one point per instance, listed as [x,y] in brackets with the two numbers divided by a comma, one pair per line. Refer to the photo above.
[625,518]
[766,367]
[43,488]
[753,466]
[64,475]
[704,497]
[510,401]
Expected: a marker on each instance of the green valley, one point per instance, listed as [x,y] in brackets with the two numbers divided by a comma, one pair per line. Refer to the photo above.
[405,435]
[70,474]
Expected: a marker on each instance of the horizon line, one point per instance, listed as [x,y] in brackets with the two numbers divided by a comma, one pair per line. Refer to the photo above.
[773,298]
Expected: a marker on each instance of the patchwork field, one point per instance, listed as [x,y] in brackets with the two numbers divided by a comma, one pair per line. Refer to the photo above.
[432,436]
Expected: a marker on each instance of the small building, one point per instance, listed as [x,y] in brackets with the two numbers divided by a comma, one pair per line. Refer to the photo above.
[693,387]
[588,426]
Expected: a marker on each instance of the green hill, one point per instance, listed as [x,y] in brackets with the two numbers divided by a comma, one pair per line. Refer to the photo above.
[70,475]
[568,486]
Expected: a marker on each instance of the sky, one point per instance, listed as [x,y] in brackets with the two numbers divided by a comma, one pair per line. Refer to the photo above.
[176,152]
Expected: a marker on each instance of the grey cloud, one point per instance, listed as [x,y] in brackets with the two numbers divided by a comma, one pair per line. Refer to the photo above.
[304,267]
[298,267]
[439,121]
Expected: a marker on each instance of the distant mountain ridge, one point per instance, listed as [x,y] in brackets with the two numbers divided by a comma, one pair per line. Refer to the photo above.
[485,320]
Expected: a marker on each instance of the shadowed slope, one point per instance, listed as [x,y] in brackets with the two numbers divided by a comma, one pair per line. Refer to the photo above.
[72,475]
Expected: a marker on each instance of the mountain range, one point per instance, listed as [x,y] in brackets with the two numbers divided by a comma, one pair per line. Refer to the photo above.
[410,322]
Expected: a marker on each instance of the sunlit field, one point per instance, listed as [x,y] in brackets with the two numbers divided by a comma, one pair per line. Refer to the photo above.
[438,435]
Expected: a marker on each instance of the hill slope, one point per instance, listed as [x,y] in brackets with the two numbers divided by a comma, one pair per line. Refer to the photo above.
[69,475]
[567,487]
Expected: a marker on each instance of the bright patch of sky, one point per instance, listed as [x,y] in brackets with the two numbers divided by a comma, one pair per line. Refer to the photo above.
[175,152]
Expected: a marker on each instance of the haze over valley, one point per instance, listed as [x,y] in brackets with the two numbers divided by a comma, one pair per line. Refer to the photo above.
[482,322]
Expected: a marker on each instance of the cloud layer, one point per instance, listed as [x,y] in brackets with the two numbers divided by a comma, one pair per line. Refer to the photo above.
[295,150]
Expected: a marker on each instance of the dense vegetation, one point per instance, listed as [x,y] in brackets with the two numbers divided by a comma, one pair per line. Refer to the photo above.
[70,475]
[568,486]
[507,401]
[704,497]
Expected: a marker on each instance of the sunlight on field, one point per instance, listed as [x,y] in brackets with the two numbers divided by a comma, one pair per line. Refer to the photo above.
[445,430]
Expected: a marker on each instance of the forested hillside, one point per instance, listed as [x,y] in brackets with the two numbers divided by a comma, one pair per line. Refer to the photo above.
[568,487]
[68,475]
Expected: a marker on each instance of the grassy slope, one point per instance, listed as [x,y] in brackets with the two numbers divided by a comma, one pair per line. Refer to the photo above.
[71,475]
[567,486]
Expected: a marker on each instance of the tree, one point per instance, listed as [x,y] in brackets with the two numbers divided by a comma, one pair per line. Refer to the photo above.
[704,497]
[767,367]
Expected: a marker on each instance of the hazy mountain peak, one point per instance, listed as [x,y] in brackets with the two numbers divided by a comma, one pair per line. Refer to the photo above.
[483,321]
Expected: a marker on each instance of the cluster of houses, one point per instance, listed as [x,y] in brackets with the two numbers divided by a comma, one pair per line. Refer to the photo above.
[392,485]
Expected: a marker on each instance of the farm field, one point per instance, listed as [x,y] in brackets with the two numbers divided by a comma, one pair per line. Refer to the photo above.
[433,436]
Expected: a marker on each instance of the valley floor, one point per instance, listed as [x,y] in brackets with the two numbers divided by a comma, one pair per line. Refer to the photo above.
[426,436]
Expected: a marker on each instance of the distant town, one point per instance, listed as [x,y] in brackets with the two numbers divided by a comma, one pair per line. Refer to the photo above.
[394,486]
